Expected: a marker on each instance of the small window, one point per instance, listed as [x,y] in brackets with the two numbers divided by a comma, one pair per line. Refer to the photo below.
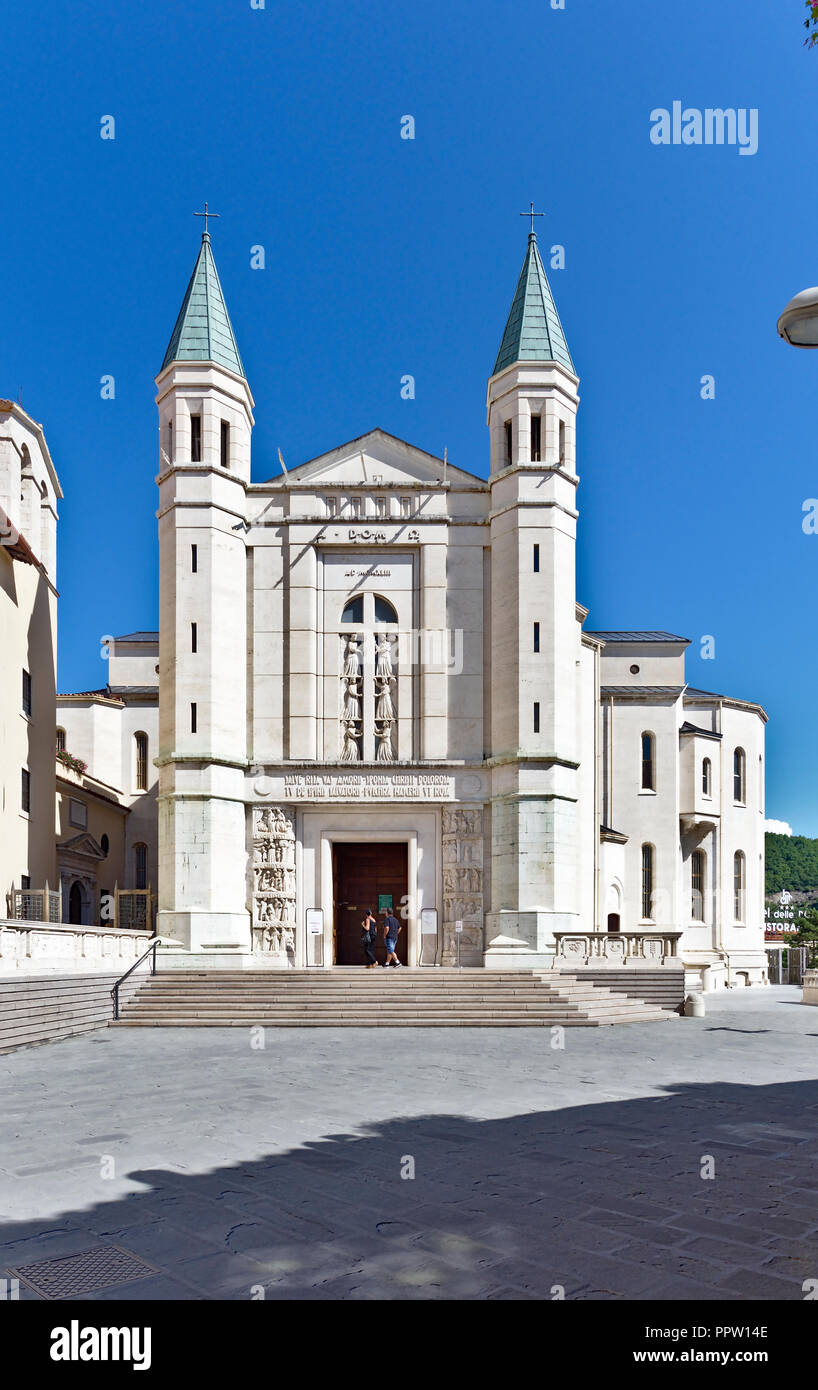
[105,845]
[536,436]
[61,740]
[194,558]
[739,885]
[193,717]
[697,885]
[141,747]
[78,814]
[406,506]
[647,882]
[536,559]
[356,507]
[194,637]
[707,777]
[27,692]
[25,882]
[509,438]
[648,770]
[536,637]
[354,610]
[384,612]
[25,796]
[224,444]
[170,441]
[331,505]
[738,776]
[536,716]
[195,438]
[562,441]
[380,506]
[140,866]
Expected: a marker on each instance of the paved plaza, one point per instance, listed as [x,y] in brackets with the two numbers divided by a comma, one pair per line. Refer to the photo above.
[429,1163]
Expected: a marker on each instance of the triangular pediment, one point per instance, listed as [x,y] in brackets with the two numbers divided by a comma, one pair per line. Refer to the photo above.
[82,844]
[376,459]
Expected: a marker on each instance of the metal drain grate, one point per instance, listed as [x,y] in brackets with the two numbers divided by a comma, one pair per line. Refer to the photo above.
[70,1276]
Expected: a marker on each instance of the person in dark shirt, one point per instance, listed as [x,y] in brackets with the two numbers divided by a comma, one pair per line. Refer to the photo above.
[391,928]
[369,927]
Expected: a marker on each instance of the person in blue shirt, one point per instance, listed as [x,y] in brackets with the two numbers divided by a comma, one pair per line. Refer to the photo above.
[391,928]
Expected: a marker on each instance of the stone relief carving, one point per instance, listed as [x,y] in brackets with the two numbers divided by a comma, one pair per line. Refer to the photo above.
[273,870]
[462,885]
[351,723]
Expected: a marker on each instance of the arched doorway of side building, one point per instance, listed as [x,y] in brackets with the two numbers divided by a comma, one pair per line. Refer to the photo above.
[367,875]
[75,902]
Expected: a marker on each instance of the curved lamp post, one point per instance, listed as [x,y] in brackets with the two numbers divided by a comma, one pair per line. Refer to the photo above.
[799,322]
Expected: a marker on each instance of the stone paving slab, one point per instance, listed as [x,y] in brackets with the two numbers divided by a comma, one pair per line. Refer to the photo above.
[234,1169]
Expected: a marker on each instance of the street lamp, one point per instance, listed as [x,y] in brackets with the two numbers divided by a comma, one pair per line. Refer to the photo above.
[799,321]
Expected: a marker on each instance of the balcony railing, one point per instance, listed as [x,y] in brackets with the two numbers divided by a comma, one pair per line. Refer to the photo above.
[35,905]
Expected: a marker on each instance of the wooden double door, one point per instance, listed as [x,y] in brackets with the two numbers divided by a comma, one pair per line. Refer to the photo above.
[365,876]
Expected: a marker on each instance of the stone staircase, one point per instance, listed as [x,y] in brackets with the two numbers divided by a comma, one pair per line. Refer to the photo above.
[355,998]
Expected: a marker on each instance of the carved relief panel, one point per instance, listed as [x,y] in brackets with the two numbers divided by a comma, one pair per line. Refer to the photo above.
[463,885]
[273,870]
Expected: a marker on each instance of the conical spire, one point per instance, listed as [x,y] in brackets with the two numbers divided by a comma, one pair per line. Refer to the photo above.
[533,329]
[203,331]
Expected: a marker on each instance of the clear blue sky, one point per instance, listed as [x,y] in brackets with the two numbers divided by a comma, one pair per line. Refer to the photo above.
[387,256]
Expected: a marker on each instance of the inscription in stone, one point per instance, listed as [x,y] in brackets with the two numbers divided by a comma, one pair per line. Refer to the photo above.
[409,786]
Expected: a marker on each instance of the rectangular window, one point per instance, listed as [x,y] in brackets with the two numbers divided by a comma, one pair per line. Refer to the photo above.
[26,692]
[193,717]
[648,783]
[61,740]
[647,882]
[78,814]
[141,740]
[141,865]
[697,886]
[356,507]
[170,441]
[536,559]
[193,637]
[536,427]
[25,795]
[536,716]
[380,506]
[536,637]
[406,506]
[509,441]
[195,438]
[194,558]
[332,506]
[562,441]
[224,445]
[25,881]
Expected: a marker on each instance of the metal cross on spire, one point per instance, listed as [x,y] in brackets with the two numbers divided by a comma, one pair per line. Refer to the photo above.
[207,214]
[531,213]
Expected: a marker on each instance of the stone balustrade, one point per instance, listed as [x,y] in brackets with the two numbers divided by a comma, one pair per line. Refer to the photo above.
[810,987]
[28,948]
[631,948]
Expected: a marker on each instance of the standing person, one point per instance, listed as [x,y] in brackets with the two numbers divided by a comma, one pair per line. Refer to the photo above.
[391,928]
[369,927]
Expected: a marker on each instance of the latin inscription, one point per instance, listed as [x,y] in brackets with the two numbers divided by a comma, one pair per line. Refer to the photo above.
[409,786]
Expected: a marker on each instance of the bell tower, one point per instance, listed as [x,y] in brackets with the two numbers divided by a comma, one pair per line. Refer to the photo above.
[532,402]
[205,423]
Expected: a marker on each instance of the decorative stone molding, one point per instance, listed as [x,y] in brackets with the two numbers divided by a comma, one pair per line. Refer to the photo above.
[615,948]
[462,885]
[273,870]
[38,947]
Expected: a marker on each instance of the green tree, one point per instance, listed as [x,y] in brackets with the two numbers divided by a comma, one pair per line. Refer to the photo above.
[811,23]
[806,934]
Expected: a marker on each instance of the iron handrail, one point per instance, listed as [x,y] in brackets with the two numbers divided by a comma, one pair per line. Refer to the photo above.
[157,941]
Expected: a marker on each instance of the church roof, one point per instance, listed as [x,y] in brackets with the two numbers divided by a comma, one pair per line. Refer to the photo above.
[533,329]
[203,331]
[653,636]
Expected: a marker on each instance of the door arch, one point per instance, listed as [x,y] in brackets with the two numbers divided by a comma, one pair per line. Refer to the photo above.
[75,904]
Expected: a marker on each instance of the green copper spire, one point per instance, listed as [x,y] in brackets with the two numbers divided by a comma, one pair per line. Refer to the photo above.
[203,331]
[533,329]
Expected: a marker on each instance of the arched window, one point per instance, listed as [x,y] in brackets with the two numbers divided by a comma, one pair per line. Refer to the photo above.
[354,610]
[141,746]
[647,882]
[61,740]
[707,774]
[140,853]
[75,905]
[739,885]
[105,845]
[698,869]
[738,775]
[648,763]
[384,612]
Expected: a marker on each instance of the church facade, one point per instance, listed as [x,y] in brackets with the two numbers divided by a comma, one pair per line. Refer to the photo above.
[377,690]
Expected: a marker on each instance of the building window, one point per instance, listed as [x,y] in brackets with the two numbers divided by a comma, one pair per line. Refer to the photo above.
[562,441]
[697,870]
[508,441]
[195,438]
[356,507]
[648,769]
[647,882]
[193,717]
[331,505]
[384,612]
[170,441]
[25,882]
[354,610]
[194,637]
[380,506]
[61,740]
[406,506]
[738,776]
[536,716]
[78,814]
[739,885]
[141,865]
[105,845]
[536,436]
[536,637]
[27,693]
[141,746]
[707,773]
[25,791]
[194,558]
[536,559]
[224,444]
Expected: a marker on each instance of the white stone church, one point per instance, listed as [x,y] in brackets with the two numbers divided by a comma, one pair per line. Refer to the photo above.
[376,690]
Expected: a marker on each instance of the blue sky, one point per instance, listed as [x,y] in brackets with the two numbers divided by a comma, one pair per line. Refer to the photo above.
[386,256]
